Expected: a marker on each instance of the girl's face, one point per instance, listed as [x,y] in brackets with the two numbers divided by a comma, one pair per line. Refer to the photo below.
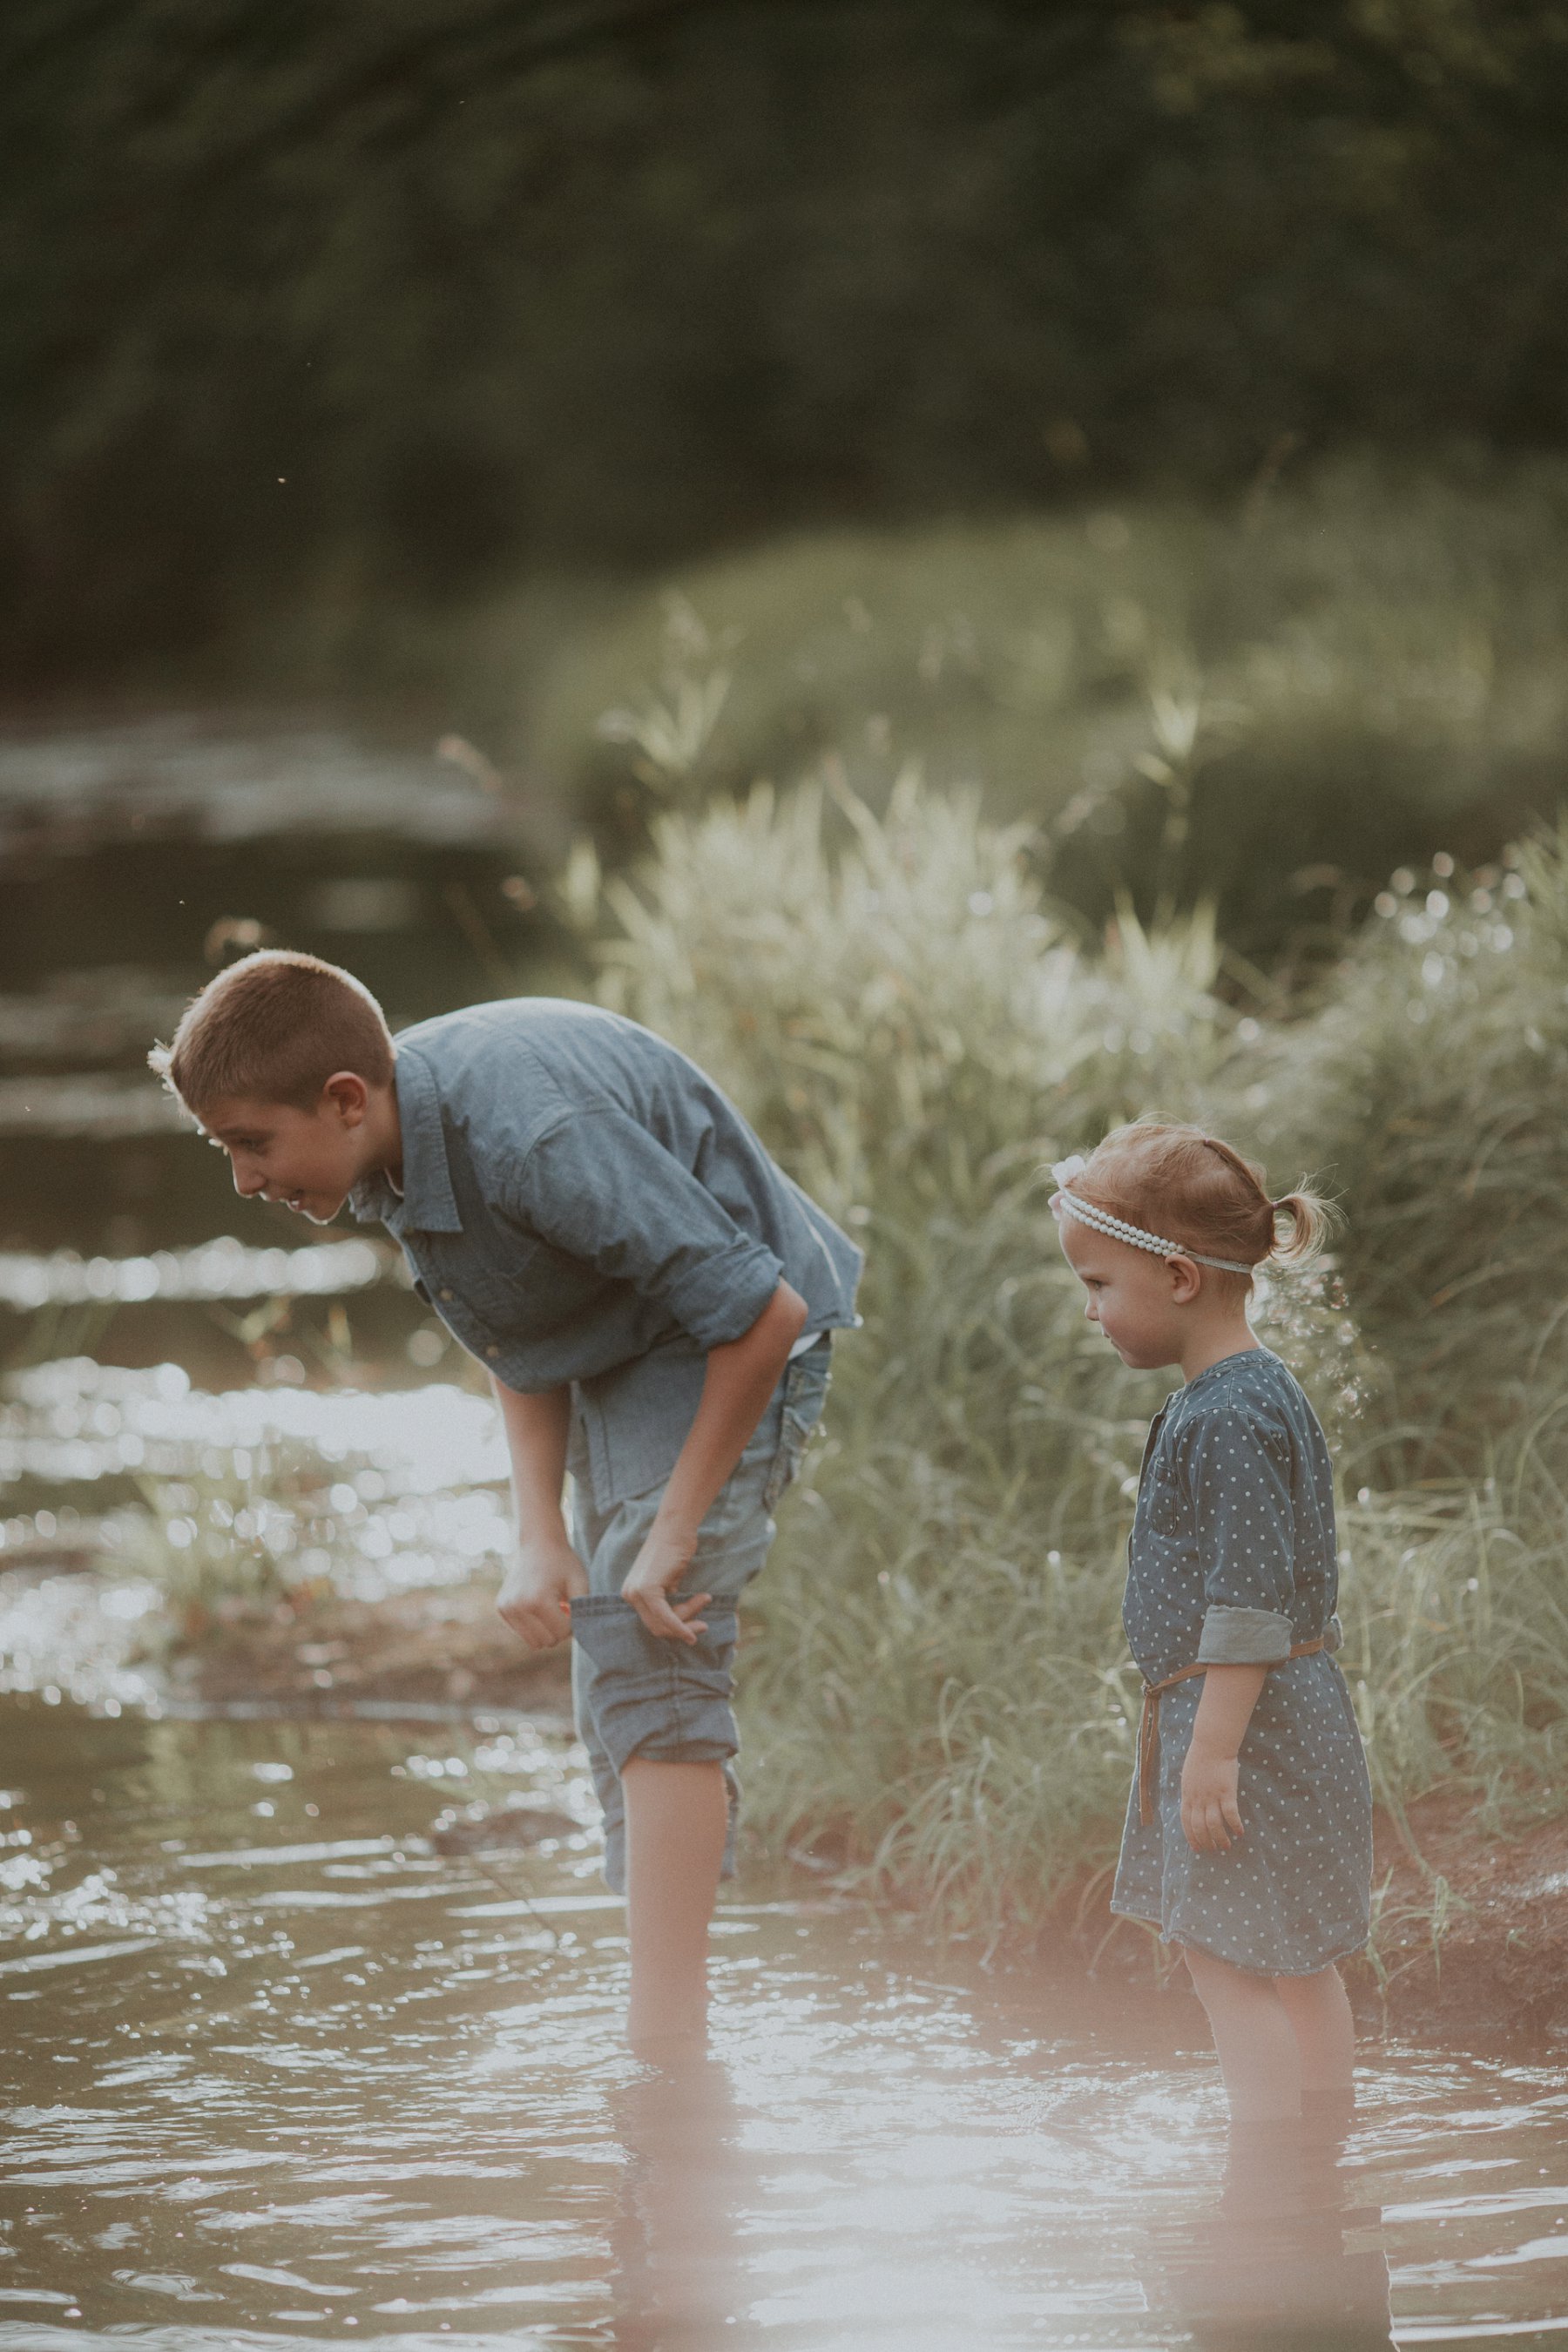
[1134,1296]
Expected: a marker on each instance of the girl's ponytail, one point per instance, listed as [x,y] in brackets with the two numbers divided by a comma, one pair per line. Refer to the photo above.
[1312,1222]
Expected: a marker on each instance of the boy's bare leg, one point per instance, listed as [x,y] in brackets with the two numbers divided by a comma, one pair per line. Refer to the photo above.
[1256,2047]
[678,1816]
[1320,2013]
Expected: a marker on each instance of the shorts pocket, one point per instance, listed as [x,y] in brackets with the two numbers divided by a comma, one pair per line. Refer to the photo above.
[805,1384]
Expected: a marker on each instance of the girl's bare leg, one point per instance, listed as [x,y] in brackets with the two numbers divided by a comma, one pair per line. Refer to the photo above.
[1320,2015]
[1258,2055]
[677,1819]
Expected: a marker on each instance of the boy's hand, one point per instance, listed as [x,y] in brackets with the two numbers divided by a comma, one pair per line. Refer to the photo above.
[657,1570]
[1211,1815]
[537,1591]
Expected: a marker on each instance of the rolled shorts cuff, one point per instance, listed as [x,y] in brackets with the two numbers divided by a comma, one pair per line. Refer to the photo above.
[668,1701]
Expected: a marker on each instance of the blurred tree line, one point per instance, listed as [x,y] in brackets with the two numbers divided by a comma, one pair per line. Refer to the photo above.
[306,298]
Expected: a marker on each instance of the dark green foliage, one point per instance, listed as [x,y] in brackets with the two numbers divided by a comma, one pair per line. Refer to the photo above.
[364,304]
[1268,707]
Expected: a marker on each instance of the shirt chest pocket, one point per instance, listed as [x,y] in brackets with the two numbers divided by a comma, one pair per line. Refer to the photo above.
[1163,1508]
[511,1282]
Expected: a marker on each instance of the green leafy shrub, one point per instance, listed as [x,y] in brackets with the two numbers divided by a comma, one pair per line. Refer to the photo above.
[1432,1087]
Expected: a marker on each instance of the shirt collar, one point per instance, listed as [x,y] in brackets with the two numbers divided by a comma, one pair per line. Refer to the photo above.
[428,1203]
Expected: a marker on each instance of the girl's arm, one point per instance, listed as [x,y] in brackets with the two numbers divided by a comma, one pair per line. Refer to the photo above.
[538,1587]
[1211,1816]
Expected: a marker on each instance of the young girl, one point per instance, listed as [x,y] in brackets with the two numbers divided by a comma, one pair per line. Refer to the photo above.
[1249,1836]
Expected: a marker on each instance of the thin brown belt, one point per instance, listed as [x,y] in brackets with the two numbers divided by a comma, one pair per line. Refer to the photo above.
[1149,1722]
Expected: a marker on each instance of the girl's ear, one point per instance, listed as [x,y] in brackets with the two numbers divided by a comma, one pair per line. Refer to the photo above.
[1186,1282]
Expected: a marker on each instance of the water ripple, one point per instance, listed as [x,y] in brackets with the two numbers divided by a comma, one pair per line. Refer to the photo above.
[233,2126]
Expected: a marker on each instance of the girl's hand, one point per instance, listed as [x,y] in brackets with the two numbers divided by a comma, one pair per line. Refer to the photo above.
[1211,1815]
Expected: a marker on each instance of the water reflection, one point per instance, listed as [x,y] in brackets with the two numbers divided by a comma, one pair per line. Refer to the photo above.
[278,2066]
[1290,2258]
[676,2277]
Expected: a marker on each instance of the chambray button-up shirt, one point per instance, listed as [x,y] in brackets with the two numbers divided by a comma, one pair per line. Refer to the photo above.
[581,1204]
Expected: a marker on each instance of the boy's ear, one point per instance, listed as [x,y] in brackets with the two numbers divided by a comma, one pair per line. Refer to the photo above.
[349,1096]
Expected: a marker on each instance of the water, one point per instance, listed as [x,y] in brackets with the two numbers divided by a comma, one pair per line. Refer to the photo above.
[138,853]
[278,2069]
[149,1494]
[223,1268]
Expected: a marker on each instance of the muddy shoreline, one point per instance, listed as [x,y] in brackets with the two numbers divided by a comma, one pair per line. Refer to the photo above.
[433,1644]
[1472,1922]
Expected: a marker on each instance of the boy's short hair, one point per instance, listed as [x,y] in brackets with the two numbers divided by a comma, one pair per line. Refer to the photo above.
[274,1027]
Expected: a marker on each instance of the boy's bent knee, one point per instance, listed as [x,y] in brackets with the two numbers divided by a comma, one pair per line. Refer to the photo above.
[665,1701]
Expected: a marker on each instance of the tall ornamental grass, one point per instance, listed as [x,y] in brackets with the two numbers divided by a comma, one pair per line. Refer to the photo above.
[938,1691]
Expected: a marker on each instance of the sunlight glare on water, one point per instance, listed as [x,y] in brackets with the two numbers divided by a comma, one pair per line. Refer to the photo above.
[280,2069]
[429,1438]
[375,1493]
[223,1268]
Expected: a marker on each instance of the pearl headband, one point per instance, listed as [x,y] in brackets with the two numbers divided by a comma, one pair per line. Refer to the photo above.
[1117,1228]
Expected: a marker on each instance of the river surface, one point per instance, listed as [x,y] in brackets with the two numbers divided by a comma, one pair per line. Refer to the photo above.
[278,2069]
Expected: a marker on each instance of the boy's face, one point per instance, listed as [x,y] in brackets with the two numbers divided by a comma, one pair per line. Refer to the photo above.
[1134,1296]
[308,1160]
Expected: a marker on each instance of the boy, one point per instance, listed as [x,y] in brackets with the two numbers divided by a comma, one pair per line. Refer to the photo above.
[652,1298]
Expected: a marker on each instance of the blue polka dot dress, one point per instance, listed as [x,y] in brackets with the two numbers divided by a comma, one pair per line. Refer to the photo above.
[1233,1561]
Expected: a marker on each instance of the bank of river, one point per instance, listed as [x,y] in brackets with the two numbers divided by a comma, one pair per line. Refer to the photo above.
[1472,1927]
[284,1549]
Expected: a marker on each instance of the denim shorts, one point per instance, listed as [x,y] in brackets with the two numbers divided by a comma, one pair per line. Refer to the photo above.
[637,1692]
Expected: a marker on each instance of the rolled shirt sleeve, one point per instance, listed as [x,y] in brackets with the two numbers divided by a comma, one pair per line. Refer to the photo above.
[601,1187]
[1236,1466]
[1244,1637]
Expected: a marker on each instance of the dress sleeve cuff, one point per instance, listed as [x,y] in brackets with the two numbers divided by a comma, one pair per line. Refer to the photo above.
[1244,1637]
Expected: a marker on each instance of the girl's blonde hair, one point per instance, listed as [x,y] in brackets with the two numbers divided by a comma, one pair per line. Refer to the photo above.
[1188,1186]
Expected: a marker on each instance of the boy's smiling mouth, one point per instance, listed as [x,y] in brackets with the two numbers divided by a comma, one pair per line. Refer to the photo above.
[301,1204]
[316,1208]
